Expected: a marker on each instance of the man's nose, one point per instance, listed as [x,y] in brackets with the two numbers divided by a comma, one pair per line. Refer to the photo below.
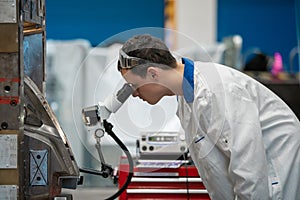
[135,93]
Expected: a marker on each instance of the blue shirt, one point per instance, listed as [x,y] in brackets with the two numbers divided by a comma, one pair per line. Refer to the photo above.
[188,80]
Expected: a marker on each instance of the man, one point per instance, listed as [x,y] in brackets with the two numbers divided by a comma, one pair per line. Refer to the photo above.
[243,139]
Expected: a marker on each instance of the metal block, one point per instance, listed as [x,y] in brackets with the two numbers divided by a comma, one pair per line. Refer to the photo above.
[9,114]
[9,87]
[9,91]
[8,151]
[9,65]
[38,167]
[8,11]
[8,192]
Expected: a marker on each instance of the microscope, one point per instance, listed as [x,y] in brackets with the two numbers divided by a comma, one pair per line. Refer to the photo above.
[95,118]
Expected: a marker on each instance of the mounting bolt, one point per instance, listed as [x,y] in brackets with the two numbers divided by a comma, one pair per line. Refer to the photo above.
[4,125]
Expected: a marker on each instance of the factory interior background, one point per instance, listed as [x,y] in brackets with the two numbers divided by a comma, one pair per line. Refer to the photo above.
[81,33]
[83,39]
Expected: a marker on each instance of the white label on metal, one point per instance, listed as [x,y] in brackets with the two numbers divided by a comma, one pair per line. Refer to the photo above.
[8,11]
[8,151]
[59,198]
[8,192]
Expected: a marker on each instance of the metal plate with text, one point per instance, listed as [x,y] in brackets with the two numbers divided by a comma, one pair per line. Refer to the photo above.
[8,151]
[8,192]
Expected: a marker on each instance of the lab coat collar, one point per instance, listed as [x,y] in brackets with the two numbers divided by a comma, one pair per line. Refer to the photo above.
[188,81]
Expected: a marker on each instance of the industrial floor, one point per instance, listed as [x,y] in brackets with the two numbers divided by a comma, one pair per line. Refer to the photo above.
[92,193]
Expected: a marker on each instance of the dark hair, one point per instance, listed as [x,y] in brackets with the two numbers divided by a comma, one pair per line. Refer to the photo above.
[151,49]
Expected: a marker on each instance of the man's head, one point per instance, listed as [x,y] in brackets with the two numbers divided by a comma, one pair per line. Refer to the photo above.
[149,49]
[146,63]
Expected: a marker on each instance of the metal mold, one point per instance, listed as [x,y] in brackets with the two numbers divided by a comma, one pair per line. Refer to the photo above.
[44,137]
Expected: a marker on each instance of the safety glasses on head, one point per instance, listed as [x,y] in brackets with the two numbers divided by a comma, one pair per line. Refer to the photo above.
[128,62]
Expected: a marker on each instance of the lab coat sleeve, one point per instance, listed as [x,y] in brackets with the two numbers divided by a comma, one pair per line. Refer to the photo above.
[247,164]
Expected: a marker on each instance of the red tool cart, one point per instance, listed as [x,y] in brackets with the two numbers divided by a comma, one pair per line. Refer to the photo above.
[162,180]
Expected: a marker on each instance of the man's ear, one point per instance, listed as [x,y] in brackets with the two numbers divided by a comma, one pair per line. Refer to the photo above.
[152,73]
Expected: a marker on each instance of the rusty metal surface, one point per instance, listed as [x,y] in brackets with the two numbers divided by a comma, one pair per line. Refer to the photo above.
[9,65]
[9,92]
[10,33]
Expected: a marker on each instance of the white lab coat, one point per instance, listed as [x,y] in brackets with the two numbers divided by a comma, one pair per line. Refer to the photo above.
[243,139]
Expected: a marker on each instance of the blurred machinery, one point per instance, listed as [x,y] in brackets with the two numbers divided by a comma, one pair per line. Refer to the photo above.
[286,84]
[36,161]
[232,53]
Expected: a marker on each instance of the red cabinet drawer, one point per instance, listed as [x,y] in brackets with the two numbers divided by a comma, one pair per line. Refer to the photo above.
[162,184]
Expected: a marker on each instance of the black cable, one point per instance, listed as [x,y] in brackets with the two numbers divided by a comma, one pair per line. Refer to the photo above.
[108,128]
[91,171]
